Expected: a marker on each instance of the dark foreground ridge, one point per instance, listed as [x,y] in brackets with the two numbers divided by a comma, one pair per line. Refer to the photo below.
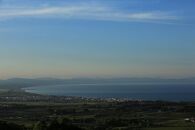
[24,111]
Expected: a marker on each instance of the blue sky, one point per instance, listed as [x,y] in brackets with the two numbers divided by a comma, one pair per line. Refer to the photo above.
[97,38]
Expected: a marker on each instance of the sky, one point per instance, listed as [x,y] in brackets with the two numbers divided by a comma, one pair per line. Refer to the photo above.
[97,38]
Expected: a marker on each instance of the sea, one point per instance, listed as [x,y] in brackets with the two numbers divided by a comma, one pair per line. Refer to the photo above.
[132,91]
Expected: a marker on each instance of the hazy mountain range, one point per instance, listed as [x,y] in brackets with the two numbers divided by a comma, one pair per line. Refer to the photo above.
[24,82]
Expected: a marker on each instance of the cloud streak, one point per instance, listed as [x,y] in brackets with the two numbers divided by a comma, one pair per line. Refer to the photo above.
[91,12]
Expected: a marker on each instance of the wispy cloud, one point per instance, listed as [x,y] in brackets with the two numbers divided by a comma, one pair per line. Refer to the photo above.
[85,11]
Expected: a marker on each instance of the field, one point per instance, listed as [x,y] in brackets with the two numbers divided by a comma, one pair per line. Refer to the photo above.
[47,112]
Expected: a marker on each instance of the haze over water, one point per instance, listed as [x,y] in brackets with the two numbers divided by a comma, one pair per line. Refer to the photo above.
[100,39]
[146,91]
[97,38]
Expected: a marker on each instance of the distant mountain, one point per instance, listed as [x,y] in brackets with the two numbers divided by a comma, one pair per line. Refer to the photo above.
[16,83]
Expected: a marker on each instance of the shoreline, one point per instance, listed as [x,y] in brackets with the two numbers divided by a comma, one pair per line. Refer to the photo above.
[22,94]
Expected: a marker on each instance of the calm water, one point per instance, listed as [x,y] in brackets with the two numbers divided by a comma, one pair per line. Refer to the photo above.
[171,92]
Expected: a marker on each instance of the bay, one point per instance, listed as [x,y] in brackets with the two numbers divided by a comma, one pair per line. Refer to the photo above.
[137,91]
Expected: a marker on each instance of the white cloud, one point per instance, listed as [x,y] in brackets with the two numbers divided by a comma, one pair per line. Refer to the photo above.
[93,12]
